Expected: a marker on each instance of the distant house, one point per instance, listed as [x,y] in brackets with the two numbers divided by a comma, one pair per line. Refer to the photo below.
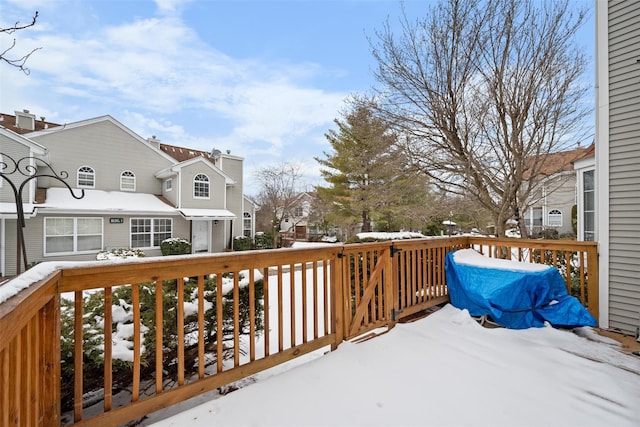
[550,205]
[617,163]
[298,218]
[137,192]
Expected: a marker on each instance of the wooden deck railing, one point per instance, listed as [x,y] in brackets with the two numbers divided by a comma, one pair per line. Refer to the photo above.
[213,331]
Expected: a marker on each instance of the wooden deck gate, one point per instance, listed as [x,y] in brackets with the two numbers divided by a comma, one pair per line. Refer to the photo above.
[385,282]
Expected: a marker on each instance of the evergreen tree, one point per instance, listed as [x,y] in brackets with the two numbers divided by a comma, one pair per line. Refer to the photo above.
[369,181]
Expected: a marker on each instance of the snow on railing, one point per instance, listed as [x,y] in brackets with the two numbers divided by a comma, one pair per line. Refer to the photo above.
[107,342]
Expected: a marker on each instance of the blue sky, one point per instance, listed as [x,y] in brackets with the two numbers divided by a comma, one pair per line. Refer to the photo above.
[263,78]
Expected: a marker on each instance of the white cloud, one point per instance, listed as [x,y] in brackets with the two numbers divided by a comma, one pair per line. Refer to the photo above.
[170,6]
[157,76]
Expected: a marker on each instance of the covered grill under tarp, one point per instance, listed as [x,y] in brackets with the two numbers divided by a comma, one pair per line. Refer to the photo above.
[514,294]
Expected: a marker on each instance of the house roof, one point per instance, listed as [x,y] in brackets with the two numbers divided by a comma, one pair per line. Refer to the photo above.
[105,118]
[182,154]
[9,211]
[9,121]
[172,170]
[33,146]
[562,161]
[211,214]
[60,200]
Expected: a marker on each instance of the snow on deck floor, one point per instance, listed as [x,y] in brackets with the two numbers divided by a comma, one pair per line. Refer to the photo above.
[443,370]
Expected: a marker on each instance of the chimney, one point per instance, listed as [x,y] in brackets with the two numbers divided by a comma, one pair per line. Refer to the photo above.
[25,120]
[154,141]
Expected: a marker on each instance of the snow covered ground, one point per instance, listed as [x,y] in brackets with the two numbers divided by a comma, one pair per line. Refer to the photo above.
[443,370]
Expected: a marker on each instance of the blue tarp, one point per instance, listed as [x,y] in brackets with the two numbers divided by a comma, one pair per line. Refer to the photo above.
[516,299]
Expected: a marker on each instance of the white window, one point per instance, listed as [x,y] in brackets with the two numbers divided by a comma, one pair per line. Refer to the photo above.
[299,212]
[168,184]
[555,218]
[246,224]
[201,186]
[86,177]
[72,235]
[589,214]
[534,217]
[127,181]
[150,232]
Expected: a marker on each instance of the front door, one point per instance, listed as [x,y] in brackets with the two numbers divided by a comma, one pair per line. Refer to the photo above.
[200,236]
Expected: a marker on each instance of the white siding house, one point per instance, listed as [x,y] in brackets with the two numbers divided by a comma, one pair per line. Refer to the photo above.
[135,192]
[617,162]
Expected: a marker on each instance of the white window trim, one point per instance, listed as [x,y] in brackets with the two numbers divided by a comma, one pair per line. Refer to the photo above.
[247,218]
[582,205]
[75,237]
[131,177]
[151,232]
[93,174]
[208,182]
[168,184]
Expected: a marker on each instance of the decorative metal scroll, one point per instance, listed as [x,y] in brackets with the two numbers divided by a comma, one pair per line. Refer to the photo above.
[23,171]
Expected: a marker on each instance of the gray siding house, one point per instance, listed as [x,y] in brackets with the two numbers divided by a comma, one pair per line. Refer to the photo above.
[550,205]
[617,162]
[13,148]
[137,192]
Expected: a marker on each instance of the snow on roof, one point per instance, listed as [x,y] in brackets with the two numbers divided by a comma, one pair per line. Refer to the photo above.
[8,210]
[60,199]
[216,214]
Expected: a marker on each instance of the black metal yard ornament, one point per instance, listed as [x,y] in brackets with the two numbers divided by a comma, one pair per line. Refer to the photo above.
[26,169]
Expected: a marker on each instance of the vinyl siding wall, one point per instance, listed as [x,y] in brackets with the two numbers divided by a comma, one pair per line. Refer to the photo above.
[562,198]
[556,192]
[233,167]
[16,151]
[109,150]
[115,236]
[624,165]
[217,193]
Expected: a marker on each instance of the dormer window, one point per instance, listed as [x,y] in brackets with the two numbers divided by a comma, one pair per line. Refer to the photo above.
[201,186]
[127,181]
[86,177]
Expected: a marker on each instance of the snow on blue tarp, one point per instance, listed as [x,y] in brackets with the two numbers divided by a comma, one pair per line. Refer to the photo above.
[516,295]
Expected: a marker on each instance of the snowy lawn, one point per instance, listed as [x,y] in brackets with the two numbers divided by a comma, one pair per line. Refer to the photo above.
[443,370]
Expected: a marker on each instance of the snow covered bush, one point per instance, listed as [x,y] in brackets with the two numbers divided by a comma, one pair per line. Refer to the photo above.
[119,254]
[242,243]
[175,246]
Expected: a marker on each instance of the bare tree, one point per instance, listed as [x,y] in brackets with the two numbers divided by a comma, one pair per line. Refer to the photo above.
[17,61]
[481,91]
[279,184]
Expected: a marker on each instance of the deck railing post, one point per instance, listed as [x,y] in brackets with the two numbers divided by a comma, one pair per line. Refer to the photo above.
[391,287]
[50,366]
[593,288]
[338,302]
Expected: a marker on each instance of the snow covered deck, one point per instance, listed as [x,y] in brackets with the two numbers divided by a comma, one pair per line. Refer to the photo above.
[315,298]
[443,370]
